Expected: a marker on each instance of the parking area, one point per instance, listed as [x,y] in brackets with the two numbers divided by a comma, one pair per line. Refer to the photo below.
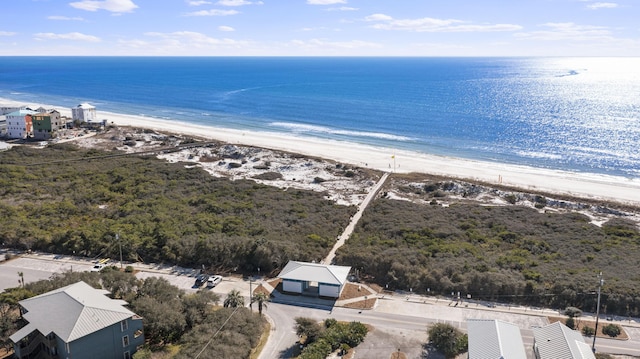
[35,267]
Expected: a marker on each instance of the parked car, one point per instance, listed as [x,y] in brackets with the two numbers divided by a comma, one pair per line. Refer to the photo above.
[98,267]
[201,279]
[213,281]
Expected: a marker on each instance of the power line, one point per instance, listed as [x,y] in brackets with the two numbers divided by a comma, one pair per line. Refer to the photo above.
[217,331]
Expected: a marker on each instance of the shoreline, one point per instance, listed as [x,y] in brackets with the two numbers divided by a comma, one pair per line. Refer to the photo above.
[576,184]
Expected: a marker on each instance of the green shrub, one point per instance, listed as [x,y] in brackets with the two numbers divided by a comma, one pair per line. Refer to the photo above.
[572,312]
[128,269]
[612,330]
[448,339]
[570,323]
[588,331]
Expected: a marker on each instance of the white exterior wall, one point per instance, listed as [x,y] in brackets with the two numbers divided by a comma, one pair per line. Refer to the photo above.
[291,286]
[16,126]
[84,113]
[325,290]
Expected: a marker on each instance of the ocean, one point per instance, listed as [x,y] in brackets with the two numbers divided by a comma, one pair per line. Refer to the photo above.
[574,114]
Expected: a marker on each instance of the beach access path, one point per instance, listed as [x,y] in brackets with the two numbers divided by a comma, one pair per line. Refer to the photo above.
[354,220]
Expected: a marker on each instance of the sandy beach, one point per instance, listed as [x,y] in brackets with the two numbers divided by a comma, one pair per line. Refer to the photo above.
[584,185]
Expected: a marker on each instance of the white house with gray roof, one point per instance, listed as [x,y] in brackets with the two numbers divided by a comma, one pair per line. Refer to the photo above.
[84,113]
[77,321]
[557,341]
[494,339]
[299,277]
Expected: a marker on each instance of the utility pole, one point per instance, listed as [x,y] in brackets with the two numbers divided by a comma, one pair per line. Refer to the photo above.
[600,283]
[119,245]
[250,293]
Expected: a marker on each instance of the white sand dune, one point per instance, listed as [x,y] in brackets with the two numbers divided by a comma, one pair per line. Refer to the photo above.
[585,185]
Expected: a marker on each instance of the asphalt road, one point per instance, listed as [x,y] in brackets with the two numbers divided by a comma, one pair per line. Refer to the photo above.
[398,321]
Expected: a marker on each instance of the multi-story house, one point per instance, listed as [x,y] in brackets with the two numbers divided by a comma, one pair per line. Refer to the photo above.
[19,124]
[46,124]
[77,321]
[3,125]
[84,113]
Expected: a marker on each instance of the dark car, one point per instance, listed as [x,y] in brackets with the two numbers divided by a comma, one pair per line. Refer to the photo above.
[201,279]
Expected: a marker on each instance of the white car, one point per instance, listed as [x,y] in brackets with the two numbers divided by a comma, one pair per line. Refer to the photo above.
[213,281]
[98,267]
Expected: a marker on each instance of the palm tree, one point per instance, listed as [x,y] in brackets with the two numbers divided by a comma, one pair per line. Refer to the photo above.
[21,280]
[261,299]
[234,299]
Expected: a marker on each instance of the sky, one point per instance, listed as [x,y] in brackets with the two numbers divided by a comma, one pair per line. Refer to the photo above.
[320,27]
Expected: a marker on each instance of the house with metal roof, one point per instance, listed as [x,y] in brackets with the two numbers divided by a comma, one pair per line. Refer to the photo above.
[313,278]
[494,339]
[556,341]
[77,321]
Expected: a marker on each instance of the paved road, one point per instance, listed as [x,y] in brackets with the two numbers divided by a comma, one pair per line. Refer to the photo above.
[400,321]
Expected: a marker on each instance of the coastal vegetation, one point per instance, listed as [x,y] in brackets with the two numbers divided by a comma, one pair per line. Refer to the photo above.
[448,339]
[62,199]
[511,254]
[67,200]
[171,317]
[320,340]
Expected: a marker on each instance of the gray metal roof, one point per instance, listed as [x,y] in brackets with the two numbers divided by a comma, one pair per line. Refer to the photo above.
[71,312]
[314,272]
[557,341]
[494,339]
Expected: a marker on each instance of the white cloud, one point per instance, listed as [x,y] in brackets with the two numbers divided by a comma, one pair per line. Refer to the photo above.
[324,44]
[64,18]
[602,5]
[75,36]
[213,12]
[342,8]
[7,33]
[226,28]
[378,17]
[117,6]
[568,31]
[326,2]
[427,24]
[186,39]
[238,2]
[198,3]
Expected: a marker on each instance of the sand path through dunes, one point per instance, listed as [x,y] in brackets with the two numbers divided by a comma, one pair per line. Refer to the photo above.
[354,220]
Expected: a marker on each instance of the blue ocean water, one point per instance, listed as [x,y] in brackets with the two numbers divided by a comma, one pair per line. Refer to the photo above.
[576,114]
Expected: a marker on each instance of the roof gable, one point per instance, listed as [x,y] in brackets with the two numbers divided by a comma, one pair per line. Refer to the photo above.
[321,273]
[494,339]
[557,340]
[71,312]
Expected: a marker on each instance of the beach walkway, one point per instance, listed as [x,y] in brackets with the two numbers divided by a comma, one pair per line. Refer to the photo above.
[354,220]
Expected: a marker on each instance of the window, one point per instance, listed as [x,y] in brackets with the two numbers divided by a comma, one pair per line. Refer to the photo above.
[124,325]
[125,341]
[126,355]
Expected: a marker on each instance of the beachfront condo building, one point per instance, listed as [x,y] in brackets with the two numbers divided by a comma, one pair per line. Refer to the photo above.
[19,124]
[84,113]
